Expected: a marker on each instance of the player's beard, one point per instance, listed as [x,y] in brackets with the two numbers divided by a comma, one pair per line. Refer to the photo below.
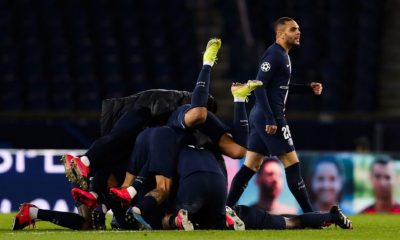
[269,191]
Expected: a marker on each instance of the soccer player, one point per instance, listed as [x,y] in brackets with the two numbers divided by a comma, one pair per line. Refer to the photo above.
[84,220]
[121,121]
[28,214]
[269,132]
[255,218]
[201,194]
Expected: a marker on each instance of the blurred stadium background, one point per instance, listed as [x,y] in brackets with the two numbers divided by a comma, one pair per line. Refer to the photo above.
[60,58]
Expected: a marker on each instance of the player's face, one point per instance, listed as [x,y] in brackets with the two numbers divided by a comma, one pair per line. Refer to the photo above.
[326,183]
[382,178]
[291,33]
[269,179]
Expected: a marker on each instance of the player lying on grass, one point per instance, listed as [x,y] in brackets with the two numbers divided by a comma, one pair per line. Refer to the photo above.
[84,220]
[254,218]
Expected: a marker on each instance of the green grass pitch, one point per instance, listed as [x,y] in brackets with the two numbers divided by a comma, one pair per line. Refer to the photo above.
[366,227]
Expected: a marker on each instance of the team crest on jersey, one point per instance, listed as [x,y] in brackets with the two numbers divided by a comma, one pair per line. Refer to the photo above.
[265,66]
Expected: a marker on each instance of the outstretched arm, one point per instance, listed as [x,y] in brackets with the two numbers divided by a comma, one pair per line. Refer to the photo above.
[315,87]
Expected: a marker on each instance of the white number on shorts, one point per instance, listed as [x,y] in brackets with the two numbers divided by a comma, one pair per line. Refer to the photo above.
[286,132]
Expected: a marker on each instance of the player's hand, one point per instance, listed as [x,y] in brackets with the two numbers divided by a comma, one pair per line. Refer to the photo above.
[316,88]
[271,129]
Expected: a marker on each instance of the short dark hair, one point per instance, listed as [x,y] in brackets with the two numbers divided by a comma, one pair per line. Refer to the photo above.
[268,160]
[383,160]
[281,21]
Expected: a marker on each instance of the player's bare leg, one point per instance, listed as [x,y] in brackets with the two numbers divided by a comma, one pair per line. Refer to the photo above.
[253,160]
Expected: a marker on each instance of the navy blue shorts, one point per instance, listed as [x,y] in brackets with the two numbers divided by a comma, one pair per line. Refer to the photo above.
[156,148]
[139,156]
[255,218]
[203,195]
[177,118]
[260,142]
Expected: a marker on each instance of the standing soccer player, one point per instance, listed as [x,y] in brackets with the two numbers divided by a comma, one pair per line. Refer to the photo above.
[269,132]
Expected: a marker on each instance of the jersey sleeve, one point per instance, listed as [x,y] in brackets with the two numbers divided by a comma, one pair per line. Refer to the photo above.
[266,70]
[213,128]
[177,118]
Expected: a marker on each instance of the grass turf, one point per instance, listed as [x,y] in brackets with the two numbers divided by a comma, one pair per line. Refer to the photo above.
[365,227]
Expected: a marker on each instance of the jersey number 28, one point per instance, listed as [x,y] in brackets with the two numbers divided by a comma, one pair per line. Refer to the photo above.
[286,132]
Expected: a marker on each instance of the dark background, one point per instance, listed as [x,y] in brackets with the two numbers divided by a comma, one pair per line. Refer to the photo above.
[60,58]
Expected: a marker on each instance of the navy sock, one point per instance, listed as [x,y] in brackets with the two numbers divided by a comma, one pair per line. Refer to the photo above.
[138,183]
[200,92]
[146,205]
[64,219]
[297,187]
[171,222]
[141,177]
[239,184]
[316,220]
[98,184]
[240,129]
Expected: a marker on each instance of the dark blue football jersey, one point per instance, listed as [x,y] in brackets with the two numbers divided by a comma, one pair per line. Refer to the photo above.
[274,71]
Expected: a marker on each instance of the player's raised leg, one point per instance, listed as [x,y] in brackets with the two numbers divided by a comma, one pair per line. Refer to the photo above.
[197,113]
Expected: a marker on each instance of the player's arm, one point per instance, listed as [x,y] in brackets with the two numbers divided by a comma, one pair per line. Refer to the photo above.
[266,71]
[315,88]
[187,116]
[195,116]
[230,148]
[218,133]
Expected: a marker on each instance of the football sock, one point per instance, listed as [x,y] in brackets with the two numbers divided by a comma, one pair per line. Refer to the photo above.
[297,187]
[239,184]
[95,195]
[138,183]
[85,161]
[64,219]
[33,212]
[132,191]
[200,92]
[98,184]
[316,220]
[146,205]
[172,222]
[240,130]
